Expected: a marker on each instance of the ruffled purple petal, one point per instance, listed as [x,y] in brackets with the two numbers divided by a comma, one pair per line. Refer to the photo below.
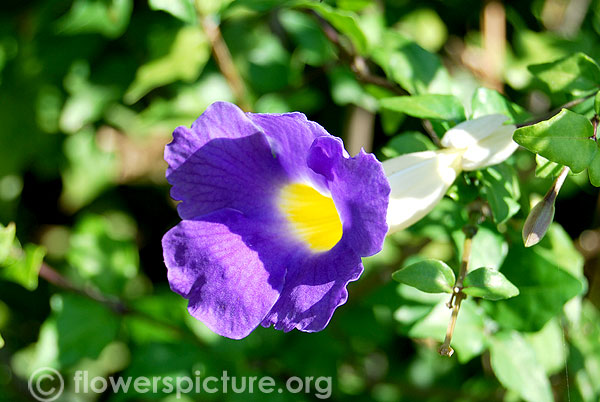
[227,267]
[359,189]
[219,120]
[315,285]
[238,173]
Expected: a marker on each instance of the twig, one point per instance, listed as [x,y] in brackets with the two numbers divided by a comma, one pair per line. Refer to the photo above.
[431,132]
[52,276]
[118,306]
[358,64]
[225,61]
[555,111]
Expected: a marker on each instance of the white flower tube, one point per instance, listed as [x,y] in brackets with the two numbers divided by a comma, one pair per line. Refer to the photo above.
[486,141]
[419,180]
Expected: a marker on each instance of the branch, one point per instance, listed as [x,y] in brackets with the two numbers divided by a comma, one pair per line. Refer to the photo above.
[225,61]
[115,304]
[556,111]
[358,64]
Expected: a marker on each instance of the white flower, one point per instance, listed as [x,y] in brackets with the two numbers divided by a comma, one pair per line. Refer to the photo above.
[419,180]
[486,141]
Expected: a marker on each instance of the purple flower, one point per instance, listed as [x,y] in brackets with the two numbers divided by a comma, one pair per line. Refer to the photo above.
[275,219]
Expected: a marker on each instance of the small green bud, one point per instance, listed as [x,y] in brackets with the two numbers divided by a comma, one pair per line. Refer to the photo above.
[541,216]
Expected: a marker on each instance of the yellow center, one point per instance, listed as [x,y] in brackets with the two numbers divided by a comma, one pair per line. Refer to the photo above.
[312,216]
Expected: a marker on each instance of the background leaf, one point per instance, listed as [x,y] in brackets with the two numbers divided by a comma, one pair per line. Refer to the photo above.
[515,365]
[576,74]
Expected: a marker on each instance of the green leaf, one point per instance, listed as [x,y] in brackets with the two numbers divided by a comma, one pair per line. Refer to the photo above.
[90,170]
[313,46]
[549,338]
[515,365]
[85,327]
[547,276]
[442,107]
[488,101]
[597,103]
[102,256]
[407,142]
[182,9]
[412,67]
[489,284]
[108,17]
[87,101]
[594,170]
[25,269]
[7,239]
[564,139]
[431,276]
[188,54]
[501,189]
[344,21]
[425,27]
[1,342]
[345,89]
[576,74]
[545,168]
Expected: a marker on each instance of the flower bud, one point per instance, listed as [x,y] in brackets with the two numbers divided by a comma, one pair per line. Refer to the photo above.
[541,216]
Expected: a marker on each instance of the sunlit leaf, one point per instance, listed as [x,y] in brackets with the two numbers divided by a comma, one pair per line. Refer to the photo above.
[576,74]
[7,238]
[108,17]
[24,269]
[89,172]
[442,107]
[188,54]
[182,9]
[564,139]
[342,20]
[431,276]
[489,284]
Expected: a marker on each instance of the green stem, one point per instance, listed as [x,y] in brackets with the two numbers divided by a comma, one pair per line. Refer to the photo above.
[458,296]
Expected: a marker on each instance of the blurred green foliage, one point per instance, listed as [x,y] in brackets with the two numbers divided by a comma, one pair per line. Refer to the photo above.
[90,91]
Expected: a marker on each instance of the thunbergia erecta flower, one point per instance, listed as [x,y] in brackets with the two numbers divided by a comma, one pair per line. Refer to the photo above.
[419,180]
[275,219]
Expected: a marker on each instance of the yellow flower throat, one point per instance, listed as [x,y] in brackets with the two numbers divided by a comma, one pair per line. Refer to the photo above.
[312,216]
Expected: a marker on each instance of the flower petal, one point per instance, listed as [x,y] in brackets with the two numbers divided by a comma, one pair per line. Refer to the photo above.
[315,286]
[290,136]
[359,189]
[239,173]
[227,268]
[219,120]
[469,132]
[491,150]
[419,181]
